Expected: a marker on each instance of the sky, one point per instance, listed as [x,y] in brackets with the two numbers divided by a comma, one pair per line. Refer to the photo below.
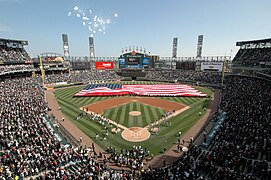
[150,24]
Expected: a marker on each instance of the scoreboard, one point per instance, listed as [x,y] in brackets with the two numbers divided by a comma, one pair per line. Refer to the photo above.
[132,60]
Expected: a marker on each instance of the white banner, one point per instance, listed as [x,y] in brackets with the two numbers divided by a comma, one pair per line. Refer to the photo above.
[213,66]
[61,83]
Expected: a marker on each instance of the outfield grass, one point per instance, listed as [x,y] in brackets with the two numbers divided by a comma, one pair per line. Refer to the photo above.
[121,115]
[165,138]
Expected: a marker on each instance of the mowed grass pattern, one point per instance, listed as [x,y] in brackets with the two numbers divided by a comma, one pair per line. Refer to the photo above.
[183,100]
[67,94]
[156,143]
[121,115]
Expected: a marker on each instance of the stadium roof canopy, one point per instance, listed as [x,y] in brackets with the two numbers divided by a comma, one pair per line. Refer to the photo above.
[50,54]
[241,43]
[7,41]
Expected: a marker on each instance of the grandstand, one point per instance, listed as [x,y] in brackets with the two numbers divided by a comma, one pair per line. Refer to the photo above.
[253,57]
[12,51]
[253,53]
[14,60]
[234,143]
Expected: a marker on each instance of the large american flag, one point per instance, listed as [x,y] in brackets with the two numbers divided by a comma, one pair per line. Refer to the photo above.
[140,90]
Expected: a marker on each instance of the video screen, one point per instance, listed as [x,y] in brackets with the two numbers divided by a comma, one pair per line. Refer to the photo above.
[133,60]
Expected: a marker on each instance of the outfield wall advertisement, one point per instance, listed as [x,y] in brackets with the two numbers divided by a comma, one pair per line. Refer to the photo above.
[211,66]
[104,65]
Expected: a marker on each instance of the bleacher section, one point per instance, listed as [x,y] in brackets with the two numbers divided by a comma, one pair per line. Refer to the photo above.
[81,76]
[252,57]
[16,68]
[13,54]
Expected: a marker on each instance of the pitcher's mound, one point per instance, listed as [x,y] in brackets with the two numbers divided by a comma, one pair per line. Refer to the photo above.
[135,113]
[135,134]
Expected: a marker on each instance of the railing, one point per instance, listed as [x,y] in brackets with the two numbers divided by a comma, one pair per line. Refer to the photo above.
[210,117]
[70,138]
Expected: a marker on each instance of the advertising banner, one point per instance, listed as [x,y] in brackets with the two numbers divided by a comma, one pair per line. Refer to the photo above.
[104,65]
[121,61]
[145,61]
[211,66]
[138,66]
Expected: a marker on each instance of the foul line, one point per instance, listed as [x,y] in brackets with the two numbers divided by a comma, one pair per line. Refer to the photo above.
[172,115]
[146,127]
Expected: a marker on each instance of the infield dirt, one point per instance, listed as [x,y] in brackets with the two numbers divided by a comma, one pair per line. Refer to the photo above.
[171,155]
[101,106]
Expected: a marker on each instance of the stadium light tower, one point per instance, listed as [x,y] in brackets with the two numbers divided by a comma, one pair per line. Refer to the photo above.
[66,47]
[174,49]
[91,48]
[199,47]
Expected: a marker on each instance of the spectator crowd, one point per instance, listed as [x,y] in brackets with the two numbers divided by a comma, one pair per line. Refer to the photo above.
[252,57]
[268,72]
[13,54]
[180,75]
[241,148]
[27,146]
[21,67]
[81,76]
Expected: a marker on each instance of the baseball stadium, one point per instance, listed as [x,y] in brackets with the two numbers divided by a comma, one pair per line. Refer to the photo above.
[135,114]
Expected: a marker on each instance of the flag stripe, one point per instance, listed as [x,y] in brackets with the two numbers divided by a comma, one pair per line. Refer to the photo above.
[141,90]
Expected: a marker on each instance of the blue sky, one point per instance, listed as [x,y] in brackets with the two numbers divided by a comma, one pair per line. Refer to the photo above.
[148,23]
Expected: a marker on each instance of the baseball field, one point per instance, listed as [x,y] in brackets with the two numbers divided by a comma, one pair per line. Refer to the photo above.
[119,110]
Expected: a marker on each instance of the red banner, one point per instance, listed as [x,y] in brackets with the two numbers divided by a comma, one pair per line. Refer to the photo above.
[104,65]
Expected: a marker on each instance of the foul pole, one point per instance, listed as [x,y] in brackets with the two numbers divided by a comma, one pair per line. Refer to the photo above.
[42,71]
[223,71]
